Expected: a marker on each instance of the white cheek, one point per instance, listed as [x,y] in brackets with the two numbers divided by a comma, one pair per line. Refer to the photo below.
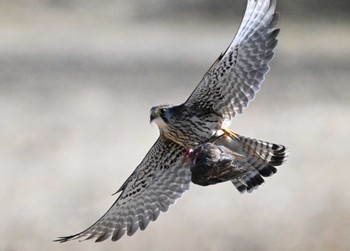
[160,122]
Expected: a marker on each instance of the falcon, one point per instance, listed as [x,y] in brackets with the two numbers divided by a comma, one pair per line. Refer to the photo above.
[182,153]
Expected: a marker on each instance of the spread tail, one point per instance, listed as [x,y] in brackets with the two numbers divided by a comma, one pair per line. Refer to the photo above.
[261,160]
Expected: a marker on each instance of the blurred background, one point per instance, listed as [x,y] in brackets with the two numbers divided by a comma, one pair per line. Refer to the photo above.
[77,80]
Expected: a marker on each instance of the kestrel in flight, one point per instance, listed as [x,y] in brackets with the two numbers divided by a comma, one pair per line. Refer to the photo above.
[194,143]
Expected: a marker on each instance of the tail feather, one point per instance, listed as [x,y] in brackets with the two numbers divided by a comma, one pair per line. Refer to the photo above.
[249,180]
[261,160]
[262,155]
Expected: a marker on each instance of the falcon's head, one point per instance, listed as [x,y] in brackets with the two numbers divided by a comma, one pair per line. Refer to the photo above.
[169,121]
[161,115]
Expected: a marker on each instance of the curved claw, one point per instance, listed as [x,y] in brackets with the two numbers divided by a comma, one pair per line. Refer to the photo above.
[230,133]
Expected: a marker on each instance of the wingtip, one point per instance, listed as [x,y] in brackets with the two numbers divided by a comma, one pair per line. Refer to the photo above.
[60,239]
[66,238]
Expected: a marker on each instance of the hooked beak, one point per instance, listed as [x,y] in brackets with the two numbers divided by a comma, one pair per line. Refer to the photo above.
[153,116]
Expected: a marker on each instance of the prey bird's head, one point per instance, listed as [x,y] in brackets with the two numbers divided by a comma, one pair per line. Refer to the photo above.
[160,115]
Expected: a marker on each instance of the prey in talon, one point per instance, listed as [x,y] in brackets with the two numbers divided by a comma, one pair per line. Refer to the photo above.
[238,159]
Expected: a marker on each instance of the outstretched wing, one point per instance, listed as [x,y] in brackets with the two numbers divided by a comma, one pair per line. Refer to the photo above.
[156,183]
[236,76]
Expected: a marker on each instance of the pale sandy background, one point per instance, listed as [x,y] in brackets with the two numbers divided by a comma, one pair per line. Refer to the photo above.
[77,79]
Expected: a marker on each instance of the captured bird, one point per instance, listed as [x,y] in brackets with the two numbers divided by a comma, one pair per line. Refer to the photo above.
[224,91]
[238,159]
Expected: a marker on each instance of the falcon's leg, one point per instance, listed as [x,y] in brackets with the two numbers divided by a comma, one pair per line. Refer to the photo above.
[230,133]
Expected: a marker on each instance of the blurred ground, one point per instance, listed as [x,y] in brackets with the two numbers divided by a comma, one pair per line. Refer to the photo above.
[75,92]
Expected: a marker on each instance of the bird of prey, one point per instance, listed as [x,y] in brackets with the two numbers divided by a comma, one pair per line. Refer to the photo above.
[224,91]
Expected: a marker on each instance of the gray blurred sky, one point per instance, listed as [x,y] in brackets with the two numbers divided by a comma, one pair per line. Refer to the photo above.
[161,8]
[77,79]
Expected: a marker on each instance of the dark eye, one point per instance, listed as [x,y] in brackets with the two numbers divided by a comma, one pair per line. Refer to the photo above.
[162,110]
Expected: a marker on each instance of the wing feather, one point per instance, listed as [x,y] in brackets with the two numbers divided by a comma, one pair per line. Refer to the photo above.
[159,180]
[235,78]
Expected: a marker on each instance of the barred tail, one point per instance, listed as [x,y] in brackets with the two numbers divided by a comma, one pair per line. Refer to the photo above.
[261,159]
[262,155]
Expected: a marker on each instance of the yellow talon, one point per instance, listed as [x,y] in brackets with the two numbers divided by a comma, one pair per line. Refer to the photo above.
[230,133]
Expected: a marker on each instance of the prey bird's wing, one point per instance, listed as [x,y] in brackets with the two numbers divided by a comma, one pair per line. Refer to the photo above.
[236,76]
[156,183]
